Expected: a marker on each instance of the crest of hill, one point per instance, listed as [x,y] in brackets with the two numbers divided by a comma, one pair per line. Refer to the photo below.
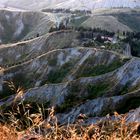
[72,4]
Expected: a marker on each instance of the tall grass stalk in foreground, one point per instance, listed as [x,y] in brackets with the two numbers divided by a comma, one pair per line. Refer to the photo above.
[23,122]
[39,129]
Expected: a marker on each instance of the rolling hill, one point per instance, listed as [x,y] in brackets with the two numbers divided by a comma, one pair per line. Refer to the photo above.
[115,19]
[68,67]
[72,4]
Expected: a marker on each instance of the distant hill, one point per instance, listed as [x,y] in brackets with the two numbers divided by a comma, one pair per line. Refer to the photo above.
[72,4]
[17,25]
[115,19]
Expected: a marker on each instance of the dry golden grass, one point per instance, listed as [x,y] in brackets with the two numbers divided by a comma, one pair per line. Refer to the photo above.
[50,130]
[7,133]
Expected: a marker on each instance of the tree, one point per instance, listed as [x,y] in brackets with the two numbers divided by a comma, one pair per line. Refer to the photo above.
[99,39]
[52,29]
[124,33]
[37,35]
[62,26]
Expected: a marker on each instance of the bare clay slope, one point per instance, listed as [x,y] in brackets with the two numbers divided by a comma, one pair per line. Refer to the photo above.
[16,25]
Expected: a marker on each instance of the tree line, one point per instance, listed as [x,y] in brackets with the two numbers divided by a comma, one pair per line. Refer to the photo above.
[61,10]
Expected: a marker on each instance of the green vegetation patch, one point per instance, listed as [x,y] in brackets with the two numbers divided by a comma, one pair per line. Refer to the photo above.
[77,96]
[97,90]
[127,88]
[135,47]
[53,61]
[130,104]
[70,101]
[88,69]
[57,75]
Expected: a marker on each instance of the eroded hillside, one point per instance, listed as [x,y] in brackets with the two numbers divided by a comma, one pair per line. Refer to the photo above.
[18,25]
[55,69]
[82,64]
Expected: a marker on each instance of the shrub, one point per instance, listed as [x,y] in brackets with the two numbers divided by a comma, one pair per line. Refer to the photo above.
[97,90]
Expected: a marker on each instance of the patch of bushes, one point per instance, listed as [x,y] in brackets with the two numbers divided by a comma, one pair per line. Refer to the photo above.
[115,46]
[57,75]
[70,101]
[89,44]
[127,88]
[75,88]
[75,97]
[97,90]
[89,70]
[135,48]
[52,62]
[130,104]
